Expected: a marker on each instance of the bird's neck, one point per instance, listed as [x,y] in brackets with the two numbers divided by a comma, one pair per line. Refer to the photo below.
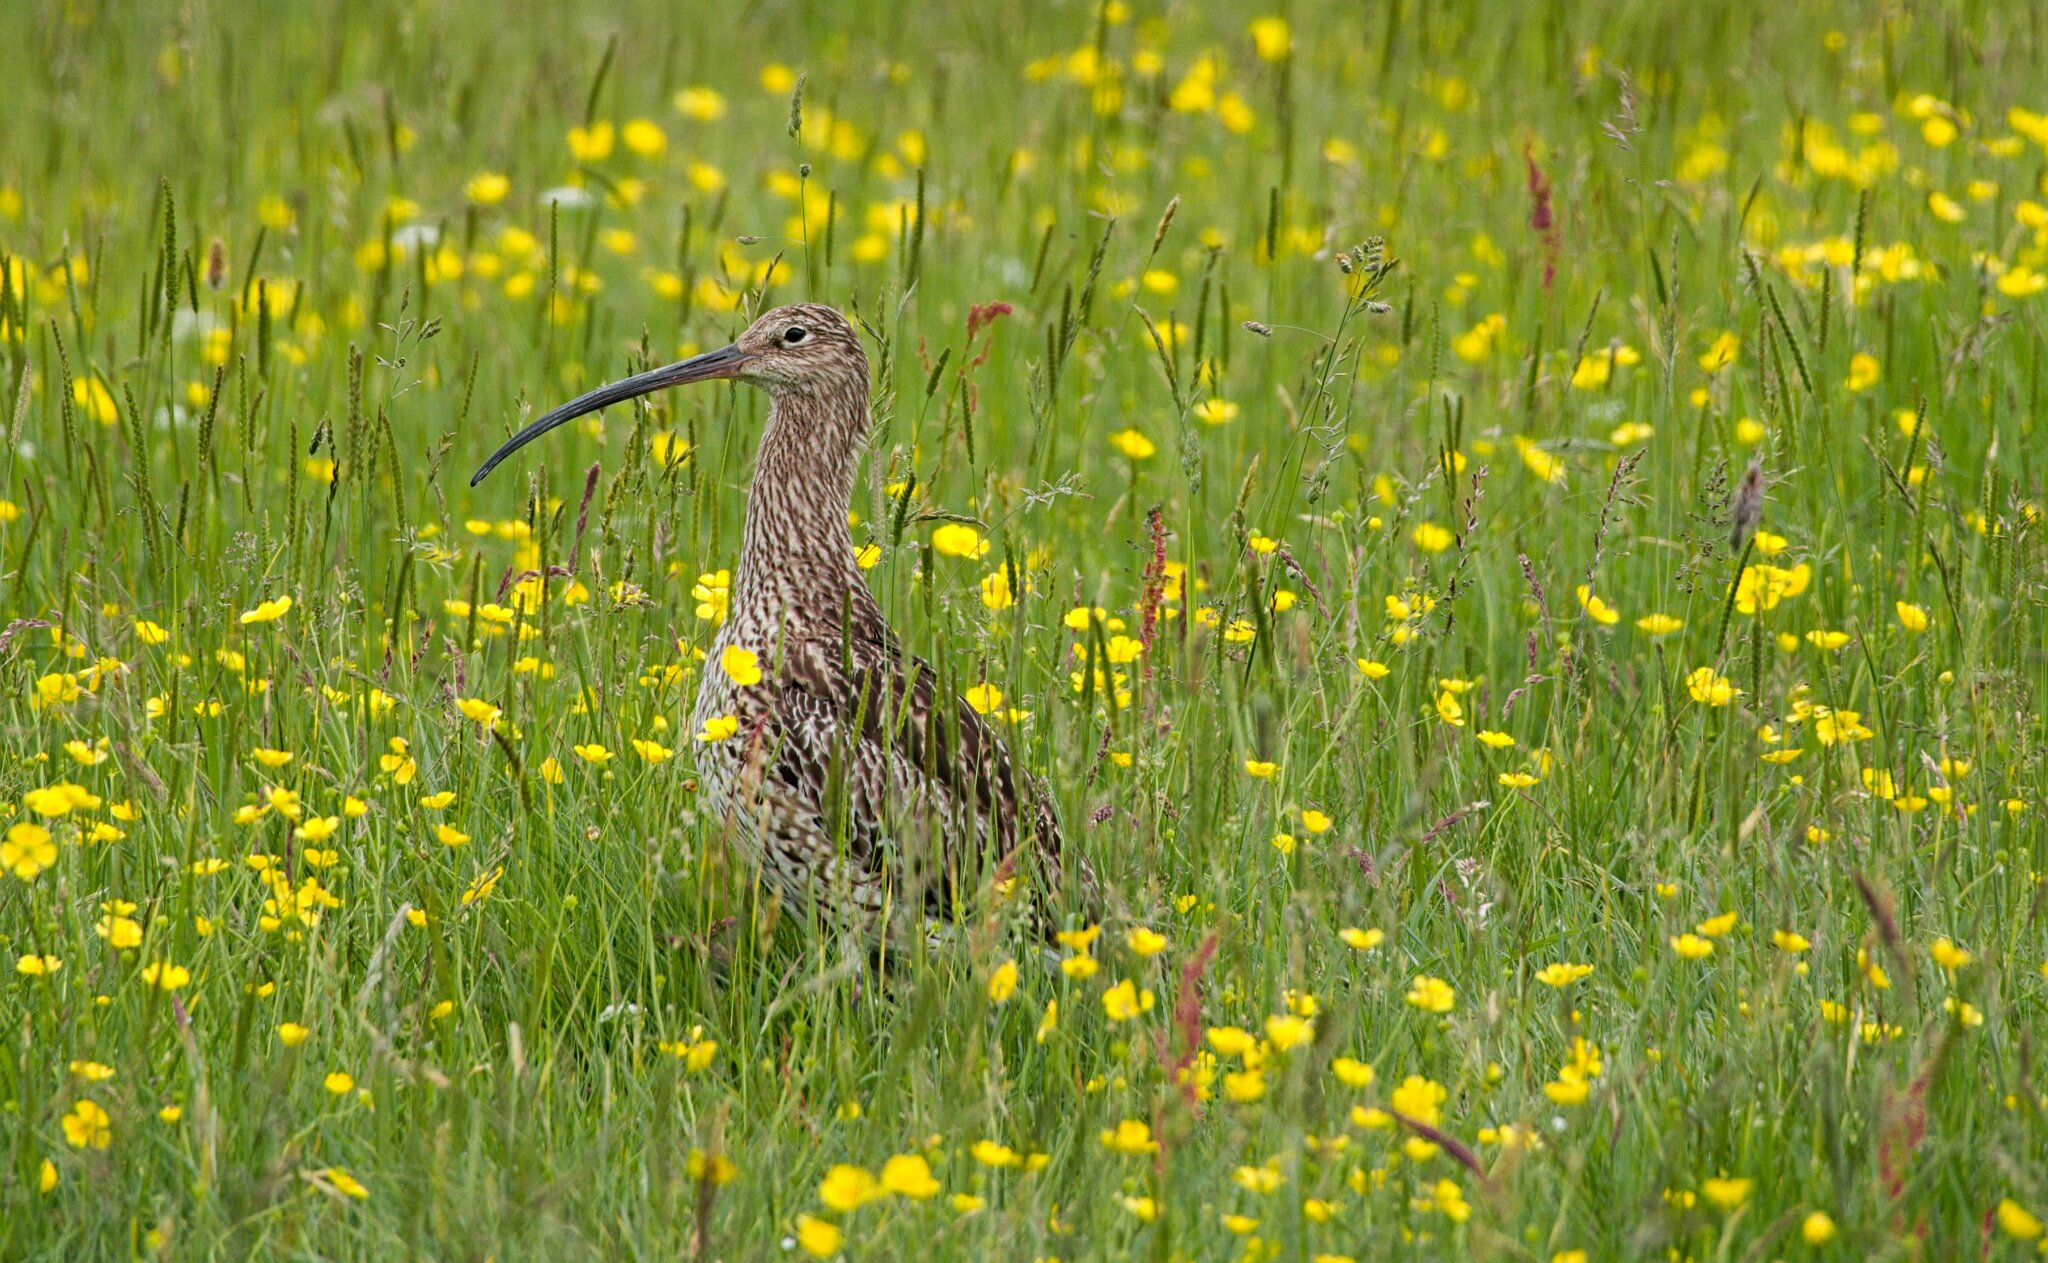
[796,554]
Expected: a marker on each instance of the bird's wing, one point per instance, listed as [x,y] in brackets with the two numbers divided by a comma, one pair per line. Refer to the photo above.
[907,780]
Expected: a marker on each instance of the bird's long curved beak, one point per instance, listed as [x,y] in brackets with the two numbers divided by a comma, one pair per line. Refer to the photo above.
[725,362]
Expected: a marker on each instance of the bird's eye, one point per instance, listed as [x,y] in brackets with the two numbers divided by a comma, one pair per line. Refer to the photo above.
[794,334]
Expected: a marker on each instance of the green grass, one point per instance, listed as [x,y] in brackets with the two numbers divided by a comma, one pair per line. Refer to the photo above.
[262,318]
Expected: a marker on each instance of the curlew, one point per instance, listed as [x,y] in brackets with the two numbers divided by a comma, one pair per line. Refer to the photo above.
[854,785]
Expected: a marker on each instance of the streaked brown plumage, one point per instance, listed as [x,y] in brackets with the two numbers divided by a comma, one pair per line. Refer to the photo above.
[853,783]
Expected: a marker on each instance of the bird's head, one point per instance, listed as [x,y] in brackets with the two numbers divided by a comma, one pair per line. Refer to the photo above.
[801,349]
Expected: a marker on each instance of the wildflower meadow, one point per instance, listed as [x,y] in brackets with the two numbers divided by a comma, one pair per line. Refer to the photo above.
[1512,534]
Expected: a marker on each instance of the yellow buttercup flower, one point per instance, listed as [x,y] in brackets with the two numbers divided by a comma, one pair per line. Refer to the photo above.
[1432,995]
[1692,946]
[909,1175]
[27,850]
[1360,940]
[652,751]
[1710,687]
[1125,1001]
[164,976]
[741,666]
[718,728]
[268,611]
[1431,538]
[487,188]
[1130,1136]
[2014,1220]
[817,1237]
[87,1126]
[1271,38]
[957,539]
[1133,444]
[703,105]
